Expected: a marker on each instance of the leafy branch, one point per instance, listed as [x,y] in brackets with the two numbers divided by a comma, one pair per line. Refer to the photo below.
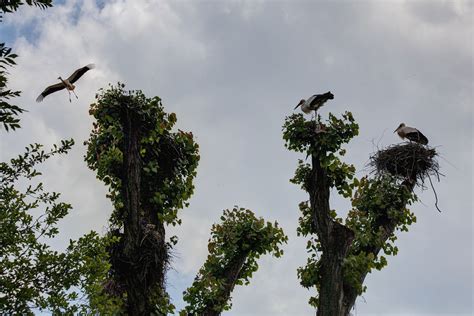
[234,247]
[8,112]
[33,275]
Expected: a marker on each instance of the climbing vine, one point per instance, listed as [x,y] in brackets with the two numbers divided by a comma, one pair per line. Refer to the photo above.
[166,163]
[379,203]
[169,159]
[375,201]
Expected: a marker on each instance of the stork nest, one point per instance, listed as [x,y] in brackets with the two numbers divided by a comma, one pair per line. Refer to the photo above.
[408,161]
[147,262]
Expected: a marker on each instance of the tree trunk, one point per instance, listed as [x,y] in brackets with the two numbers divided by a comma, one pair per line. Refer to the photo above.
[143,255]
[137,303]
[335,240]
[231,275]
[388,227]
[336,296]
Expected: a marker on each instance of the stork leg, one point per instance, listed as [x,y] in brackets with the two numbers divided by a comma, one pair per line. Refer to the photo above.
[69,93]
[317,128]
[320,129]
[75,94]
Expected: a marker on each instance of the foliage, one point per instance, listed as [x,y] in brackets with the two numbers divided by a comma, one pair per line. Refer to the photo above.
[167,163]
[239,238]
[8,112]
[102,296]
[33,275]
[9,6]
[309,274]
[374,202]
[169,159]
[299,136]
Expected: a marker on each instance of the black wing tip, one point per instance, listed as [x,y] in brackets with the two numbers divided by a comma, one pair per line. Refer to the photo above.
[328,95]
[423,140]
[79,72]
[417,137]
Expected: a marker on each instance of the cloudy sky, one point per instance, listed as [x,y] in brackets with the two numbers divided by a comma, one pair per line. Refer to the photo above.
[232,71]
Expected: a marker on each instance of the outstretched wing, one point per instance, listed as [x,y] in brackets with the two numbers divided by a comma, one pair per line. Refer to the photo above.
[51,89]
[79,72]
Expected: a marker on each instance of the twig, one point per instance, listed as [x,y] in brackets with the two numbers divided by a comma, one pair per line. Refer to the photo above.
[436,196]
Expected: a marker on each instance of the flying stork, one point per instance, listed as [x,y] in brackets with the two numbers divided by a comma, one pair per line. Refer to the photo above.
[314,102]
[65,83]
[411,133]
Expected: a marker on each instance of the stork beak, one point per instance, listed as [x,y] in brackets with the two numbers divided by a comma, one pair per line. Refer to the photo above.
[301,102]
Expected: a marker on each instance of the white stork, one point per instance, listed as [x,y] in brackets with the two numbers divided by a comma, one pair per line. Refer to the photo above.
[65,83]
[411,134]
[314,102]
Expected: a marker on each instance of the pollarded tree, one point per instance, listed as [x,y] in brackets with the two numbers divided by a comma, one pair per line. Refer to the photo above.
[343,254]
[234,247]
[150,170]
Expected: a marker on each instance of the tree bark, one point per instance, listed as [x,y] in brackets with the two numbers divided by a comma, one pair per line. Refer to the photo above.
[388,227]
[231,276]
[143,253]
[335,240]
[137,303]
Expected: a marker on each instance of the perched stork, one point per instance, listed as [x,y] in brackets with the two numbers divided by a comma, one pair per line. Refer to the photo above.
[65,83]
[411,133]
[314,102]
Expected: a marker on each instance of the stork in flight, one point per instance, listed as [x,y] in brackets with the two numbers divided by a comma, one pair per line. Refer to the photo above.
[65,83]
[314,102]
[411,134]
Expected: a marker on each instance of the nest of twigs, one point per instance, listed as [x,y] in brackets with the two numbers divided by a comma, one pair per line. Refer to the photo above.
[147,262]
[408,161]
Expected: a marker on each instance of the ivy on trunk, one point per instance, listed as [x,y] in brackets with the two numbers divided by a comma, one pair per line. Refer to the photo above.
[149,170]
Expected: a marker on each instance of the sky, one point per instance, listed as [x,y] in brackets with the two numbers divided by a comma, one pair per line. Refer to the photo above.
[232,71]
